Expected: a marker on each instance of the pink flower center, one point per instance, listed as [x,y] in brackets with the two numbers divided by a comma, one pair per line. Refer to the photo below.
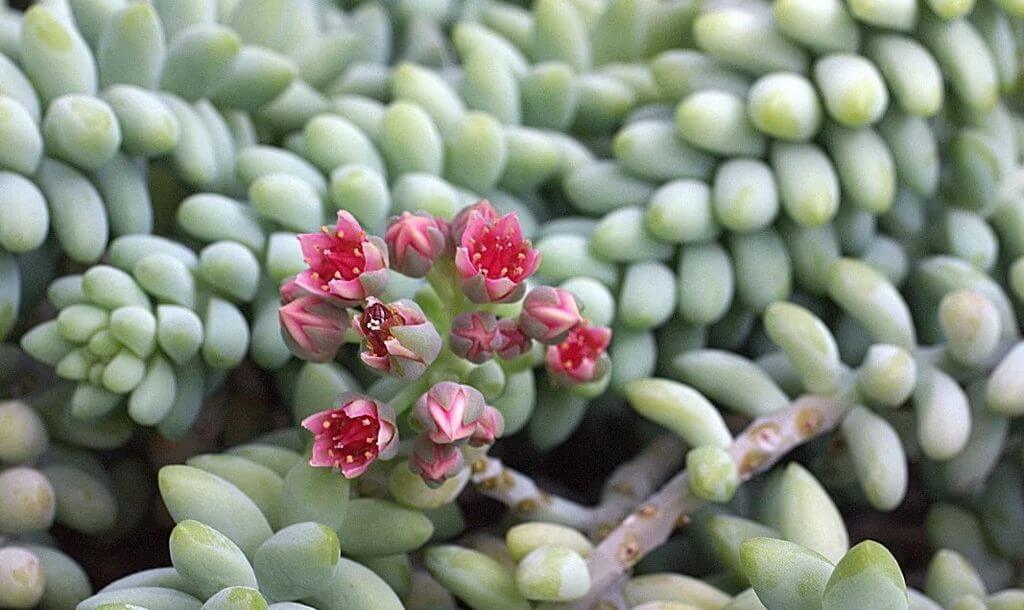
[581,346]
[499,255]
[338,256]
[353,440]
[376,323]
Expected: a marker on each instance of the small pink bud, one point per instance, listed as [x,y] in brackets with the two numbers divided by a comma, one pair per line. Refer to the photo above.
[549,314]
[313,329]
[397,338]
[353,434]
[474,336]
[458,224]
[494,260]
[512,340]
[435,462]
[489,427]
[581,357]
[345,265]
[448,411]
[414,242]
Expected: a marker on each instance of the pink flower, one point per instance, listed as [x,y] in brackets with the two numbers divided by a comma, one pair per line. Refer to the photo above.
[512,341]
[474,336]
[581,358]
[549,314]
[458,224]
[313,328]
[415,241]
[352,435]
[489,427]
[493,259]
[397,338]
[448,411]
[435,463]
[345,265]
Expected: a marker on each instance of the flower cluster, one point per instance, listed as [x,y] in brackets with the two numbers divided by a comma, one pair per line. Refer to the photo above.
[490,261]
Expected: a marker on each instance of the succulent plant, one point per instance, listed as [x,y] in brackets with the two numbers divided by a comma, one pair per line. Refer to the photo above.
[740,237]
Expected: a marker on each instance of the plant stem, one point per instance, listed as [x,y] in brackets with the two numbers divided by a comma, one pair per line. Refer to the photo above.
[408,395]
[764,442]
[629,484]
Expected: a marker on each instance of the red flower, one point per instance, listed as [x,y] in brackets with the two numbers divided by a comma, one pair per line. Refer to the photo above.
[448,411]
[512,341]
[581,358]
[415,241]
[352,435]
[313,328]
[345,265]
[474,336]
[549,314]
[458,224]
[493,259]
[434,462]
[397,338]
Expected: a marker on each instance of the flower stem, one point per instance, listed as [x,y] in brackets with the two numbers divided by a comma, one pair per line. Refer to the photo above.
[629,484]
[408,395]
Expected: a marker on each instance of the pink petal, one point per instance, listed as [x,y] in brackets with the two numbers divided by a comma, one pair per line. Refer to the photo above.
[315,422]
[464,263]
[347,225]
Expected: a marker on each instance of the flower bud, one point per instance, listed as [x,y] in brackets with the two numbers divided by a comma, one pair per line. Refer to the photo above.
[474,336]
[493,259]
[435,462]
[489,427]
[549,314]
[581,357]
[345,265]
[448,412]
[397,338]
[414,242]
[312,327]
[353,434]
[458,224]
[512,341]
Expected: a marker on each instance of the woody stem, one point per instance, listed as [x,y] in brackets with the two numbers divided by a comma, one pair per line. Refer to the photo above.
[765,441]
